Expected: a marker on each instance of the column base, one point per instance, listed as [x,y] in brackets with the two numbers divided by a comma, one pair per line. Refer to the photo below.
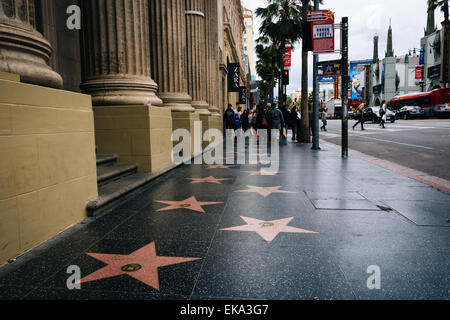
[121,90]
[26,53]
[136,134]
[176,101]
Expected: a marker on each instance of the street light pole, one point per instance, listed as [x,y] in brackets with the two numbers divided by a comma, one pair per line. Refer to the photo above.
[345,81]
[315,113]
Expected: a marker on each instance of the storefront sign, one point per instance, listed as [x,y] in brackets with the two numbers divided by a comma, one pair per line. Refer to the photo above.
[233,77]
[434,71]
[242,95]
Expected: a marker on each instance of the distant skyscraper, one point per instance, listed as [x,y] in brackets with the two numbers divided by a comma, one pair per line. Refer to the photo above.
[249,41]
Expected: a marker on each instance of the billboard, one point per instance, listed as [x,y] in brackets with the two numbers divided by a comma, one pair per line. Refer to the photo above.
[329,68]
[358,78]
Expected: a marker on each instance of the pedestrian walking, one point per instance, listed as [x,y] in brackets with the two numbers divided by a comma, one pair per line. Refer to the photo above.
[295,119]
[360,116]
[383,114]
[237,122]
[324,115]
[244,120]
[276,121]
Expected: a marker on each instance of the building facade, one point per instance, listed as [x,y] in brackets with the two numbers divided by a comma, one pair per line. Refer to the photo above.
[84,78]
[249,47]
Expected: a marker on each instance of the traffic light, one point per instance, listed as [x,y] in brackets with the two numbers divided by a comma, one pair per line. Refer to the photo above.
[285,77]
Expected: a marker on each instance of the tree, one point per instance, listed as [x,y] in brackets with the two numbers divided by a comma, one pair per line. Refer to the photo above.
[266,67]
[282,24]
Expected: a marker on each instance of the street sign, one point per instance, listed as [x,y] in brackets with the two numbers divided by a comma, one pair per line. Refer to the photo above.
[233,77]
[326,79]
[287,57]
[322,28]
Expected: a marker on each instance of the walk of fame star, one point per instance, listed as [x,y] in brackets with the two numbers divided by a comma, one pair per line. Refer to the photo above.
[263,173]
[265,191]
[218,166]
[189,203]
[209,179]
[141,265]
[268,230]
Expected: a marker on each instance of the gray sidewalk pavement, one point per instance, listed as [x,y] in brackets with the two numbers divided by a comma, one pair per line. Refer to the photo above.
[322,228]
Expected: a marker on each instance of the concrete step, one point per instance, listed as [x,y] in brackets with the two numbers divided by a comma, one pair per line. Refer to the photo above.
[109,172]
[104,159]
[115,191]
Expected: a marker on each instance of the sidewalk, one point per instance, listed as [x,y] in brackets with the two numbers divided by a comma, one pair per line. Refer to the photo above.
[312,231]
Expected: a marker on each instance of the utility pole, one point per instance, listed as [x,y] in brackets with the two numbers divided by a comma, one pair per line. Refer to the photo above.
[345,81]
[315,113]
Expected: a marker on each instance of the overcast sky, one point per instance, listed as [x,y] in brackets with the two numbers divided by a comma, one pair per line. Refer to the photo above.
[367,18]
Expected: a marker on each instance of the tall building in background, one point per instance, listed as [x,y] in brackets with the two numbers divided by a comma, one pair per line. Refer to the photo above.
[249,49]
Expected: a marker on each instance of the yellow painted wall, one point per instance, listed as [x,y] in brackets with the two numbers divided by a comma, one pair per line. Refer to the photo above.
[47,163]
[136,134]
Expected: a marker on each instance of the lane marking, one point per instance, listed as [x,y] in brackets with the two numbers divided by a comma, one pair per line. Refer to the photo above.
[395,142]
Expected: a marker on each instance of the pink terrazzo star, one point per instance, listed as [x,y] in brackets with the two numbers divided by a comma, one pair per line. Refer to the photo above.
[262,173]
[209,179]
[141,265]
[218,166]
[268,230]
[189,203]
[265,191]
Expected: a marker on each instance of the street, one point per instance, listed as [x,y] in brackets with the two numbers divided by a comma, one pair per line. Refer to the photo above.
[422,145]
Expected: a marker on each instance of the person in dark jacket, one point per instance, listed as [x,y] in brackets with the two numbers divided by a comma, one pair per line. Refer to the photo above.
[295,119]
[228,117]
[244,120]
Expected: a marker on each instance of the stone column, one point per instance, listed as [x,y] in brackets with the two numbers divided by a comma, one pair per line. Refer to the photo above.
[116,53]
[23,50]
[168,49]
[212,33]
[196,54]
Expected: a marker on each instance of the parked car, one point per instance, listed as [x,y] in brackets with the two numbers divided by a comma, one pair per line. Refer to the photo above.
[373,114]
[410,112]
[442,110]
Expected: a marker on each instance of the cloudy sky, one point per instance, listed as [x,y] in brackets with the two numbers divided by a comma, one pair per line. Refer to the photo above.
[367,18]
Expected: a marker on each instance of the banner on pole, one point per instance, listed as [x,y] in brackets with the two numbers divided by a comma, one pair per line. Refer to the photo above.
[287,57]
[322,28]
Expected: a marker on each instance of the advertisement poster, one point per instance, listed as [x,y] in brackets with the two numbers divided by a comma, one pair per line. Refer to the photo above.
[358,79]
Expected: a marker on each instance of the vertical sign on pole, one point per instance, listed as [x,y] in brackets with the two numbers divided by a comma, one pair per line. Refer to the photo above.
[322,28]
[288,57]
[345,78]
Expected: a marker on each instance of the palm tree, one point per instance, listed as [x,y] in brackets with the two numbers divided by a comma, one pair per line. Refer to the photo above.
[281,24]
[266,66]
[443,4]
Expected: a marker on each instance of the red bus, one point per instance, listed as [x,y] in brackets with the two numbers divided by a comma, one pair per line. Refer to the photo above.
[428,101]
